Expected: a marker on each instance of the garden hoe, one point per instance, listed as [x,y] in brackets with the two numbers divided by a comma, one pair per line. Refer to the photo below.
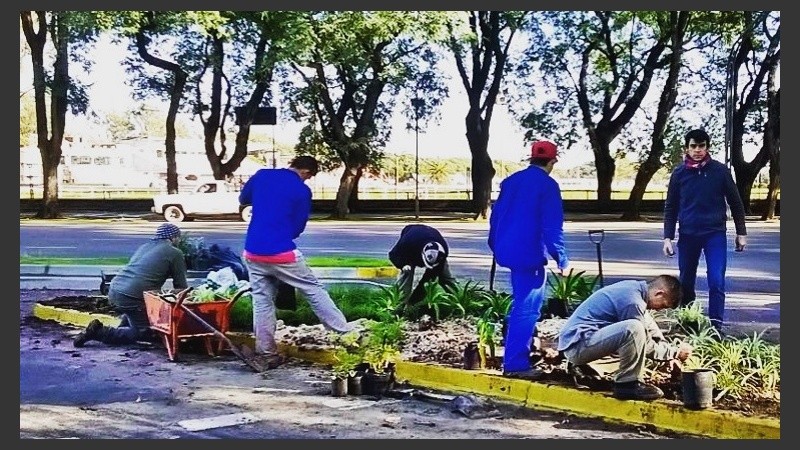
[244,353]
[248,359]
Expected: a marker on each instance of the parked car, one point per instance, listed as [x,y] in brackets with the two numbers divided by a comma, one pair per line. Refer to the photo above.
[210,198]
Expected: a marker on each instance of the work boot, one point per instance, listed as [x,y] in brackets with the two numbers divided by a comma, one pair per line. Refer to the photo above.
[534,373]
[636,390]
[268,361]
[91,333]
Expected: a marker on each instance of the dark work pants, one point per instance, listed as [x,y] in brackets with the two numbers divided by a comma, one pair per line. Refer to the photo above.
[134,326]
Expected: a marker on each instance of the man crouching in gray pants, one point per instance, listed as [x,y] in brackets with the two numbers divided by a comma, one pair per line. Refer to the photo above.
[615,319]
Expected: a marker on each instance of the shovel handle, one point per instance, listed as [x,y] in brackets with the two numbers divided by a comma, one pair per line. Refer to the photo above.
[492,273]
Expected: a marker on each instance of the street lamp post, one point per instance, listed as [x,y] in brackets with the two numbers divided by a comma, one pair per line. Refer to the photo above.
[417,103]
[729,104]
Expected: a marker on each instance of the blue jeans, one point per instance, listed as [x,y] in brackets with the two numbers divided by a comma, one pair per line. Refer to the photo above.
[528,288]
[713,247]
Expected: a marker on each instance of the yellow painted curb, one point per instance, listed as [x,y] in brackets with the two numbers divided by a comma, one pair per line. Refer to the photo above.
[377,272]
[388,272]
[661,414]
[71,316]
[366,272]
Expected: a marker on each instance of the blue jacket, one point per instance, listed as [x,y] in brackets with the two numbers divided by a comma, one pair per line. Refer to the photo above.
[696,198]
[527,221]
[281,207]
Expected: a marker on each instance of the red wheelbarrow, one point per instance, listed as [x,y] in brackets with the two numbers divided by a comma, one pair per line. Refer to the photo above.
[177,319]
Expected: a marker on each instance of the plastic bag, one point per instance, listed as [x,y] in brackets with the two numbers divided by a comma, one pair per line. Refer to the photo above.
[224,278]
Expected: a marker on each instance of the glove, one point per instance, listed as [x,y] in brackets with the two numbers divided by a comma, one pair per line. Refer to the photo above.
[741,241]
[668,250]
[684,352]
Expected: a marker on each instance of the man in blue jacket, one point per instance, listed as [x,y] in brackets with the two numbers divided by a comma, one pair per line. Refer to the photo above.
[696,198]
[525,225]
[281,207]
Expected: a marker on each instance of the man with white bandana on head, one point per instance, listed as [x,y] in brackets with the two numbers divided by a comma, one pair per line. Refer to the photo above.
[421,246]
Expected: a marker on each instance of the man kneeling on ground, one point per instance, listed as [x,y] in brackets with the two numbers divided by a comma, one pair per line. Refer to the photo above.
[151,265]
[616,320]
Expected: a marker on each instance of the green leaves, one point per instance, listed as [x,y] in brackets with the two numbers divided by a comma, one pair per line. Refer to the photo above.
[570,289]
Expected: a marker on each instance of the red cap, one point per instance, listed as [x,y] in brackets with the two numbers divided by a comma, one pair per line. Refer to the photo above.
[544,149]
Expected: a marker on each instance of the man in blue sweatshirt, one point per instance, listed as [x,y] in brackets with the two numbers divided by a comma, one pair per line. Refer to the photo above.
[526,224]
[696,198]
[281,207]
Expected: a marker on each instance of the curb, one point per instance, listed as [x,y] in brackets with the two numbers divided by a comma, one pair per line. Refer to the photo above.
[661,414]
[93,271]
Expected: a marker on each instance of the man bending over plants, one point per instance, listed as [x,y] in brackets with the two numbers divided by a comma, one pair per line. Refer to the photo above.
[615,319]
[421,246]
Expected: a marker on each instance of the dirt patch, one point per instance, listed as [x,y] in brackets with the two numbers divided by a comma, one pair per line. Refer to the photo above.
[95,304]
[444,343]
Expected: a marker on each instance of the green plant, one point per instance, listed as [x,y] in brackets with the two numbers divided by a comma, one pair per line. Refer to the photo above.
[740,366]
[568,291]
[691,319]
[387,332]
[383,343]
[496,305]
[388,304]
[348,353]
[435,299]
[486,329]
[465,298]
[346,362]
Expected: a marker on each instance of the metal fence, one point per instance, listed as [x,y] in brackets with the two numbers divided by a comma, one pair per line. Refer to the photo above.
[107,192]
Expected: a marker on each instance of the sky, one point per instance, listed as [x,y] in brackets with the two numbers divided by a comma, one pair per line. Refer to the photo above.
[447,139]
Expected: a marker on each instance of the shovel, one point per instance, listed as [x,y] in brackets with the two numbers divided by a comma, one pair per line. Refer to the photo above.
[492,273]
[236,350]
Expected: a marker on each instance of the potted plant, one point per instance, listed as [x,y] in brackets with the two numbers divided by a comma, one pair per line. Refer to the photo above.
[343,370]
[566,292]
[381,350]
[348,355]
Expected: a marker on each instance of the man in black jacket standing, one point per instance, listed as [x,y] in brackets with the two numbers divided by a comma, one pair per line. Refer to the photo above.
[421,246]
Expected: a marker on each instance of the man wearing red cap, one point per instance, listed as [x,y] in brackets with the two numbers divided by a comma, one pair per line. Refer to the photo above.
[526,224]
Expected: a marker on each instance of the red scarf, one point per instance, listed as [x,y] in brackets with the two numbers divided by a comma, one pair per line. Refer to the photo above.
[692,164]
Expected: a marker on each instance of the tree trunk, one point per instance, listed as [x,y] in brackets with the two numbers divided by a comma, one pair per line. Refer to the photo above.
[772,141]
[643,177]
[605,166]
[49,206]
[49,142]
[772,194]
[211,126]
[665,105]
[482,168]
[353,201]
[175,97]
[346,184]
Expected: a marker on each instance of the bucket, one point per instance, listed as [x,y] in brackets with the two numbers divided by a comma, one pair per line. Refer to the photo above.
[472,359]
[698,388]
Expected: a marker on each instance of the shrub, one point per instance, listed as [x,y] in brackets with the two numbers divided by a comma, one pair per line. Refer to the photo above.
[566,292]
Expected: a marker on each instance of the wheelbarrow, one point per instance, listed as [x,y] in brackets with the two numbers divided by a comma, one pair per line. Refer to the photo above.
[176,319]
